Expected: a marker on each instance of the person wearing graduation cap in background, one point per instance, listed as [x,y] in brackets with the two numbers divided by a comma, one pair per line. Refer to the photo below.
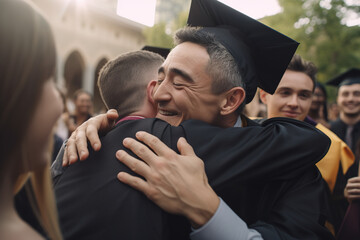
[275,207]
[293,99]
[347,127]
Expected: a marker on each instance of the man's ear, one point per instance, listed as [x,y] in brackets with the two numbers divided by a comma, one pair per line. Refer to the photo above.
[233,99]
[263,95]
[150,90]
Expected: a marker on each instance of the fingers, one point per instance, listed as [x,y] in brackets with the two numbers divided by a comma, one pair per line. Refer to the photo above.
[77,143]
[353,194]
[351,186]
[140,150]
[93,137]
[154,143]
[134,164]
[135,182]
[185,148]
[354,180]
[65,160]
[70,150]
[81,144]
[112,114]
[104,122]
[352,189]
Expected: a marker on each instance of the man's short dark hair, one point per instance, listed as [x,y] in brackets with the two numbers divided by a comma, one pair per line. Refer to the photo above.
[122,81]
[298,64]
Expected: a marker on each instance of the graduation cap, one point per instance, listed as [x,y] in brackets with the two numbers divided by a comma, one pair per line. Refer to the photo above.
[262,54]
[349,77]
[161,51]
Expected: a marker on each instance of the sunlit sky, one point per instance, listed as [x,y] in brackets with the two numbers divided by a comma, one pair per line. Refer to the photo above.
[255,8]
[143,11]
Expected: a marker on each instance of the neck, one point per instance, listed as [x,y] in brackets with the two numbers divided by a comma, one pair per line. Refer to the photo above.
[228,120]
[80,118]
[349,119]
[147,110]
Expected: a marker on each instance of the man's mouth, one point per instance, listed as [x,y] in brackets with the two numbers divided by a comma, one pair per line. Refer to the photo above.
[167,113]
[291,114]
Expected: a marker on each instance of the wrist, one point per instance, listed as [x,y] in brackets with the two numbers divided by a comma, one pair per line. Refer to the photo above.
[200,214]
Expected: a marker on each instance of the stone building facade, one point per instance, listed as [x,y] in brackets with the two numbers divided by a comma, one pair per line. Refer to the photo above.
[87,34]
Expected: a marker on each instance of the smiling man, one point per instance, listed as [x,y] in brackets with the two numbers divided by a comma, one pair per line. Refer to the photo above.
[293,96]
[347,126]
[186,93]
[292,99]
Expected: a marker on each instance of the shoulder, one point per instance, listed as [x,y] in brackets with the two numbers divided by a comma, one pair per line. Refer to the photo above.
[328,133]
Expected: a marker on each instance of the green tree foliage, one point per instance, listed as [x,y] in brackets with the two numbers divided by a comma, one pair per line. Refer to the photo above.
[171,15]
[156,36]
[319,26]
[161,34]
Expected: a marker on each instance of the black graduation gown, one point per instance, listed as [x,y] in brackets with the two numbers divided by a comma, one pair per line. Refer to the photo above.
[340,202]
[265,173]
[339,128]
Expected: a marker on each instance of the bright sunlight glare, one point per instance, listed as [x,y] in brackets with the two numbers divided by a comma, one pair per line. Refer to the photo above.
[142,11]
[255,8]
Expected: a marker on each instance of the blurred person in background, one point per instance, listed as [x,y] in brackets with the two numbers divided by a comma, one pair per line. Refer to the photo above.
[318,109]
[83,109]
[64,122]
[333,111]
[347,126]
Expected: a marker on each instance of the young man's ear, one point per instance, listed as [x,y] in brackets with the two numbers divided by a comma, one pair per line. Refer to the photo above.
[263,95]
[150,90]
[232,100]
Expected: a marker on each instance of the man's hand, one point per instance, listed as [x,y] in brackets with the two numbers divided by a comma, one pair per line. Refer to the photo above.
[77,143]
[352,189]
[176,183]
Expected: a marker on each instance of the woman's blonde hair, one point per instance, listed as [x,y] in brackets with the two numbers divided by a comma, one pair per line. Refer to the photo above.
[27,61]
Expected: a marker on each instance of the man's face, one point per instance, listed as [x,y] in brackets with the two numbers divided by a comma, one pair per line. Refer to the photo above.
[292,98]
[83,103]
[184,87]
[349,99]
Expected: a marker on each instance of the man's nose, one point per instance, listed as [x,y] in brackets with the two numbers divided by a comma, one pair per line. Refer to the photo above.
[293,101]
[163,92]
[351,97]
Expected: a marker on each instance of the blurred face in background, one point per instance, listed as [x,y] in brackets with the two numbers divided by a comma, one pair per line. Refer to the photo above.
[348,99]
[83,103]
[318,99]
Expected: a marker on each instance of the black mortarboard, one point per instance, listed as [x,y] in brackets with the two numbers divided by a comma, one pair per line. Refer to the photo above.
[262,54]
[349,77]
[161,51]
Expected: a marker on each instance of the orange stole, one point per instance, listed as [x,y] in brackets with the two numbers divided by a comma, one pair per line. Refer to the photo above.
[338,153]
